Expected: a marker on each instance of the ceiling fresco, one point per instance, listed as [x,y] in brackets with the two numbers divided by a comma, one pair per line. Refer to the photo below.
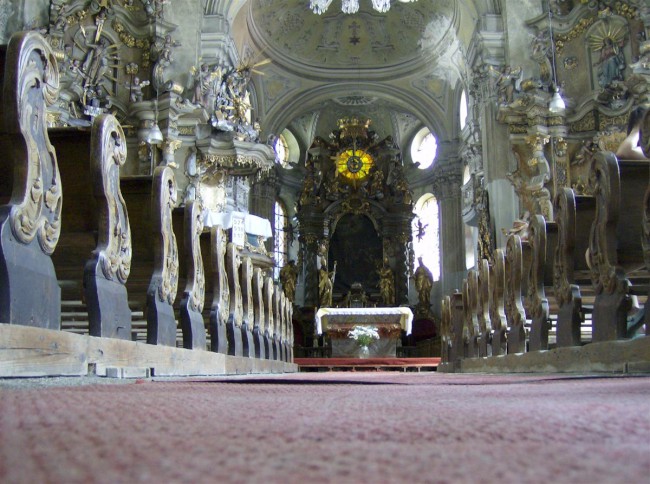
[398,68]
[407,34]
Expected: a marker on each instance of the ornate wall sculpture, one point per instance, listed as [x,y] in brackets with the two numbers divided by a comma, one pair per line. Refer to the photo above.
[109,57]
[532,174]
[600,90]
[30,223]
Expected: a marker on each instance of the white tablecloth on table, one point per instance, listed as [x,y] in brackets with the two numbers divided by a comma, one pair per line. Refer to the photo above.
[253,224]
[365,316]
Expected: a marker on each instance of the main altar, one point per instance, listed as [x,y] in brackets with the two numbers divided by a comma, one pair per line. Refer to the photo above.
[390,323]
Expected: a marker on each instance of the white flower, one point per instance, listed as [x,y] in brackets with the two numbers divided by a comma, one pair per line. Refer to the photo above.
[363,335]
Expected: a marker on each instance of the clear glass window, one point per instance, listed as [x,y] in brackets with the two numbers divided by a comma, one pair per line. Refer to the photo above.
[424,148]
[426,233]
[280,245]
[281,151]
[462,109]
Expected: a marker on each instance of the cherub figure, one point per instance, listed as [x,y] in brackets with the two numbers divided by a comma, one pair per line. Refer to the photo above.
[135,89]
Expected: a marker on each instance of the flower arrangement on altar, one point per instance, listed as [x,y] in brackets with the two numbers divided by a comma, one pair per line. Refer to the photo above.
[363,335]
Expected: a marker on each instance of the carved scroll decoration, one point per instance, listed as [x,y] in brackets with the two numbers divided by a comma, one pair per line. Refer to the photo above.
[32,84]
[258,299]
[277,313]
[515,313]
[497,303]
[195,286]
[287,318]
[606,276]
[483,307]
[290,326]
[166,248]
[221,297]
[246,282]
[282,330]
[108,154]
[536,301]
[268,306]
[233,262]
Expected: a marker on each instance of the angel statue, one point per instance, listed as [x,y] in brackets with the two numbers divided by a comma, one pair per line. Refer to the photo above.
[508,81]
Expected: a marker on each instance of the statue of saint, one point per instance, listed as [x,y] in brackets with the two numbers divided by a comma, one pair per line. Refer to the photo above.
[325,284]
[288,278]
[423,284]
[611,62]
[386,284]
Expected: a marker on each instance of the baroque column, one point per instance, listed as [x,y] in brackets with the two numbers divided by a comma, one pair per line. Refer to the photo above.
[446,188]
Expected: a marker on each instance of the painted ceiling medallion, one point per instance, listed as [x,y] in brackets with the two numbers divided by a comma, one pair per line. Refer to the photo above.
[355,100]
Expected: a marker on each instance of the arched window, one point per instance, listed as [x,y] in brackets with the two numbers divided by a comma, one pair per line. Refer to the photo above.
[280,245]
[462,109]
[281,151]
[470,257]
[424,148]
[426,233]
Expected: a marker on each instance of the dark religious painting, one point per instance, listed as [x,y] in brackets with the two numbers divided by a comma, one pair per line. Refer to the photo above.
[357,249]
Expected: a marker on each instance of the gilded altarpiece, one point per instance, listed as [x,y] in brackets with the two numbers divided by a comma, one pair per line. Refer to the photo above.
[355,212]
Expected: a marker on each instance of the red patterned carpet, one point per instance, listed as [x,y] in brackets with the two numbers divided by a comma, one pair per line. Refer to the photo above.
[330,427]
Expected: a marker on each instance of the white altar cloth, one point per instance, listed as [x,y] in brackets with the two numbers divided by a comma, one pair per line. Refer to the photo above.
[365,316]
[252,223]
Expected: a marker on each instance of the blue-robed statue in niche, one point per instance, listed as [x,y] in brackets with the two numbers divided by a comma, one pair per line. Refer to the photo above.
[611,63]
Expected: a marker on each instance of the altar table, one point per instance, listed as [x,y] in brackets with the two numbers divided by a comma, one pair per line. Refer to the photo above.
[390,322]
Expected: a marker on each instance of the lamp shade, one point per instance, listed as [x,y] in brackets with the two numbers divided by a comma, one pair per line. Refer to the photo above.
[556,105]
[155,136]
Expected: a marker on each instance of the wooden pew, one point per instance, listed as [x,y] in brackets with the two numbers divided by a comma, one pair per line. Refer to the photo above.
[193,299]
[536,303]
[106,272]
[515,313]
[483,309]
[615,236]
[497,303]
[30,221]
[471,332]
[574,216]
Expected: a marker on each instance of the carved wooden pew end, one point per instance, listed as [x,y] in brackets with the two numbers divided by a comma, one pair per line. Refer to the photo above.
[191,309]
[30,224]
[106,272]
[161,319]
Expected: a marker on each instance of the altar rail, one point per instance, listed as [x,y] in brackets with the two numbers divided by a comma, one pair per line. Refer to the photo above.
[578,290]
[88,239]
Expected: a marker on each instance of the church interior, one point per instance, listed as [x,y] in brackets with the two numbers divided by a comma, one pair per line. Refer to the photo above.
[427,219]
